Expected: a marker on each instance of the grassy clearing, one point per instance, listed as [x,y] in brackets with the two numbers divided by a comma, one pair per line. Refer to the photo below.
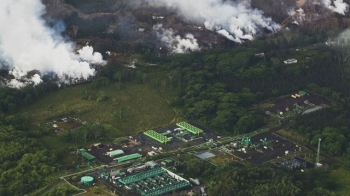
[292,135]
[265,105]
[342,177]
[220,158]
[133,108]
[98,189]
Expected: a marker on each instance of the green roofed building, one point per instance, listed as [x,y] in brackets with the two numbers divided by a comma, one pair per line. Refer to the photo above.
[87,155]
[127,157]
[115,153]
[157,136]
[190,128]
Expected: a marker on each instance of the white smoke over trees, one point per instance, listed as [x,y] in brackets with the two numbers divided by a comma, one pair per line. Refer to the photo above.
[338,6]
[176,43]
[27,43]
[236,21]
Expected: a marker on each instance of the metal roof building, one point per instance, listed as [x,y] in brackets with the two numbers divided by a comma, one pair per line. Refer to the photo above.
[190,128]
[115,153]
[127,157]
[156,136]
[87,155]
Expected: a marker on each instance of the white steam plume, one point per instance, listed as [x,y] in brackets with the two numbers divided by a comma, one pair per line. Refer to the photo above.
[235,20]
[175,42]
[27,43]
[338,6]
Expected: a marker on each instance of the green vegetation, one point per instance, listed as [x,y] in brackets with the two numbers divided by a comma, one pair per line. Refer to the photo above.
[342,177]
[134,108]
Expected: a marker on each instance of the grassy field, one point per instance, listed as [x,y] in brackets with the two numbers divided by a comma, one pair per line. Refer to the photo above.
[133,108]
[293,135]
[342,177]
[265,105]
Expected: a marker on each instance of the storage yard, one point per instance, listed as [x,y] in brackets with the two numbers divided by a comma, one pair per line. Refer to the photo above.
[294,104]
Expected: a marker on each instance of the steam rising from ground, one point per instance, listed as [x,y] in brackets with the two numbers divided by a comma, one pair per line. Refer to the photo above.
[27,43]
[236,21]
[338,6]
[175,42]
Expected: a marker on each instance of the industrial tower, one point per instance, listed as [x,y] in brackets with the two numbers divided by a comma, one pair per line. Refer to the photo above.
[318,154]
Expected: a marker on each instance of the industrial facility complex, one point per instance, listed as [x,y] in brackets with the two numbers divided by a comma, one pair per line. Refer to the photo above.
[128,166]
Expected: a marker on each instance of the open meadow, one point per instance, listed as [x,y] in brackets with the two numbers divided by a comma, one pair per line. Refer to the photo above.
[132,108]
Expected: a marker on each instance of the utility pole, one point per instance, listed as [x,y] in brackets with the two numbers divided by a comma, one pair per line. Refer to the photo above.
[318,153]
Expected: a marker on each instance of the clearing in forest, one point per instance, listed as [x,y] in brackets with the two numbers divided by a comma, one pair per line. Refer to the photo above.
[133,108]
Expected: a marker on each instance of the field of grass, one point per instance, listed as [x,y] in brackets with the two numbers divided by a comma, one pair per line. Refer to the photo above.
[220,158]
[292,135]
[342,177]
[265,105]
[133,108]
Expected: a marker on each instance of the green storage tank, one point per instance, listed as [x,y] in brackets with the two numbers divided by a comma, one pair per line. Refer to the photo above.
[87,180]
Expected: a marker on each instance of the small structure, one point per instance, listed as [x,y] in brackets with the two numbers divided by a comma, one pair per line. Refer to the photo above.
[114,173]
[206,155]
[87,180]
[151,164]
[137,169]
[203,191]
[290,61]
[127,157]
[115,153]
[141,30]
[259,54]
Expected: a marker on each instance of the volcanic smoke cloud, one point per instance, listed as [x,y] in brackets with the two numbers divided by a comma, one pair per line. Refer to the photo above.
[27,43]
[175,42]
[338,6]
[237,21]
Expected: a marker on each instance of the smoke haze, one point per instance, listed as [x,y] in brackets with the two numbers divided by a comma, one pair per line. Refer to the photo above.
[236,21]
[27,43]
[176,43]
[338,6]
